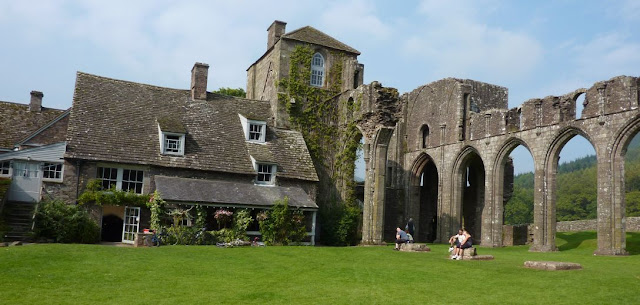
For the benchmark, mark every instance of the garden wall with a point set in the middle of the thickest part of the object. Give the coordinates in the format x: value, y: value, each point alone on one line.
x: 632, y: 225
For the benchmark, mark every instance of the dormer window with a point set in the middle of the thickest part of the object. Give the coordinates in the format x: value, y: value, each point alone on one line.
x: 254, y: 131
x: 172, y: 144
x: 171, y: 133
x: 266, y: 173
x: 317, y: 70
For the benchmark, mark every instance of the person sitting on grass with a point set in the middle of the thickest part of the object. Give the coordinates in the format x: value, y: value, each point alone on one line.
x: 401, y: 238
x: 454, y: 241
x: 465, y: 242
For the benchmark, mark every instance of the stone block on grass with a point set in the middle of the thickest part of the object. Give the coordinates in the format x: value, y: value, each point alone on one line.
x: 549, y: 265
x: 412, y: 247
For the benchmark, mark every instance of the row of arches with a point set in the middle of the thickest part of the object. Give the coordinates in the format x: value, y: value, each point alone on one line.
x: 473, y: 196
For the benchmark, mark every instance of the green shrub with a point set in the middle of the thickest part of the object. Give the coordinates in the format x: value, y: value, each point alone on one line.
x: 340, y: 224
x: 280, y: 225
x: 65, y: 223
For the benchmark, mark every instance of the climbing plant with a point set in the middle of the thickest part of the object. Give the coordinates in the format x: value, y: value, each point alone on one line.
x: 324, y: 120
x: 329, y: 129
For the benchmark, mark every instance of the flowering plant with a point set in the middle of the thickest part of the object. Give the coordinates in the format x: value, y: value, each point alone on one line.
x: 223, y: 217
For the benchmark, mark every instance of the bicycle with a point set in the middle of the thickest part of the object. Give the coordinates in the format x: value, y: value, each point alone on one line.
x: 154, y: 240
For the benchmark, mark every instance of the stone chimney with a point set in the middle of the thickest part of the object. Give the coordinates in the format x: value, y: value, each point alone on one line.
x: 199, y: 74
x: 276, y: 30
x: 35, y: 105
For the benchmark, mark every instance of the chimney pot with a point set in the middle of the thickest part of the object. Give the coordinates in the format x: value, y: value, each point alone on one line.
x: 35, y: 105
x: 199, y: 74
x: 276, y: 30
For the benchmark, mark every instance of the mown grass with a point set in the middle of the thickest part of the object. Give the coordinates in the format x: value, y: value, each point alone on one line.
x: 94, y: 274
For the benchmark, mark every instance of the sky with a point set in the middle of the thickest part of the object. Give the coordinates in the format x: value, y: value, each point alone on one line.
x: 534, y: 48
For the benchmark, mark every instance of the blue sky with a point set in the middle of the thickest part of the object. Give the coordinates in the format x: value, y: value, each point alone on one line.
x: 534, y: 48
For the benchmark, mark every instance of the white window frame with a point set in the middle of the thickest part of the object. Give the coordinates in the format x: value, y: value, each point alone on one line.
x: 261, y: 133
x: 120, y: 175
x: 163, y: 143
x: 261, y: 169
x: 55, y: 171
x: 317, y: 70
x: 246, y: 127
x: 7, y: 168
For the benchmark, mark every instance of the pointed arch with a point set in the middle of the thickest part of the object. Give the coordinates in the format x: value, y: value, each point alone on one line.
x: 468, y: 194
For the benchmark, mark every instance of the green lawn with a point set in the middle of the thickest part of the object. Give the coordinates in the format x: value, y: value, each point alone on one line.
x: 93, y: 274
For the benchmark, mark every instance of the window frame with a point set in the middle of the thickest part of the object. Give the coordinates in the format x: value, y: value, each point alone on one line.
x: 7, y: 168
x: 119, y: 179
x: 46, y: 168
x: 262, y: 132
x: 272, y: 173
x: 163, y: 143
x: 317, y: 71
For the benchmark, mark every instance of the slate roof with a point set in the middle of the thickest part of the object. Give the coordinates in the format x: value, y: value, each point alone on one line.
x: 311, y: 35
x: 226, y: 192
x: 17, y: 122
x: 117, y: 121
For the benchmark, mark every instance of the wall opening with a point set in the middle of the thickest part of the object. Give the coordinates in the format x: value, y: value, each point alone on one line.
x: 428, y: 220
x: 632, y: 189
x: 472, y: 187
x: 359, y: 173
x: 576, y: 181
x: 580, y: 104
x: 518, y: 186
x: 424, y: 133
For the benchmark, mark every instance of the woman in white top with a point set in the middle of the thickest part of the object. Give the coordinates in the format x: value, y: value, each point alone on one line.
x: 464, y: 241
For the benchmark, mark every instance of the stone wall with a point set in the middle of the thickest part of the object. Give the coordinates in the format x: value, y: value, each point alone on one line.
x: 632, y: 225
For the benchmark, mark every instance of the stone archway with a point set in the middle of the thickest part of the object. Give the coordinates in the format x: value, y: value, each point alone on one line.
x: 544, y: 227
x: 498, y: 185
x: 611, y: 210
x: 469, y: 180
x: 424, y: 201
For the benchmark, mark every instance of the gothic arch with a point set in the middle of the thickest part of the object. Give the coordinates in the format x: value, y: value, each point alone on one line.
x: 468, y: 194
x: 424, y: 202
x: 497, y: 180
x: 613, y: 222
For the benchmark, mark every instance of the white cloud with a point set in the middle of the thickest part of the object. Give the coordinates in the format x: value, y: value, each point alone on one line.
x: 353, y: 18
x: 453, y: 41
x: 607, y: 55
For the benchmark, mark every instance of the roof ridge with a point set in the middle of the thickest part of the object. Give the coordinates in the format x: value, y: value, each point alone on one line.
x: 126, y: 81
x: 343, y: 46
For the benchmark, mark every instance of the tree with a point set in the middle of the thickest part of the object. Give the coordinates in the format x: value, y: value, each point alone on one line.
x: 238, y: 92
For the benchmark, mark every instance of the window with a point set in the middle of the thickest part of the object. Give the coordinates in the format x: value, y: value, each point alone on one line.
x: 317, y: 70
x: 122, y: 179
x: 266, y: 173
x: 5, y: 166
x: 257, y: 131
x: 52, y: 171
x: 425, y: 136
x: 172, y: 144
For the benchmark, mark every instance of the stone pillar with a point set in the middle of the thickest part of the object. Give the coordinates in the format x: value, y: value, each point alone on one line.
x: 544, y: 213
x: 611, y: 226
x: 373, y: 212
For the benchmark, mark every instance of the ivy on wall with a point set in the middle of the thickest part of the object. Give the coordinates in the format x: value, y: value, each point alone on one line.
x: 324, y: 120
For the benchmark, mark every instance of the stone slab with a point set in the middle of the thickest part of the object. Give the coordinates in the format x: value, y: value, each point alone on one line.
x: 411, y: 247
x: 549, y: 265
x: 478, y: 258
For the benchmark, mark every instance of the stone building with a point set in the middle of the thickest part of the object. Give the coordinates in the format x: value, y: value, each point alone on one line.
x: 192, y: 146
x: 264, y: 75
x: 440, y: 153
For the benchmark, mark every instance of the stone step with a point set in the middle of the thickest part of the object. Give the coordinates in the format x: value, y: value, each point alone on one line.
x: 550, y: 265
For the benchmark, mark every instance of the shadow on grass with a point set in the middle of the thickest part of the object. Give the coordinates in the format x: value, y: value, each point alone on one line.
x: 574, y: 239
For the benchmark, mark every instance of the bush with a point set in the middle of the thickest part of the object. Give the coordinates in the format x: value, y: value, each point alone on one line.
x: 65, y: 223
x: 280, y: 225
x: 340, y: 224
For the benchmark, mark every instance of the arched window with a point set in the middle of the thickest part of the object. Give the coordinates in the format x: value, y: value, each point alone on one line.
x: 317, y: 70
x: 425, y: 136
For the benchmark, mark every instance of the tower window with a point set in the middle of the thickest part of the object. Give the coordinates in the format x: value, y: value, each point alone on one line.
x: 317, y: 70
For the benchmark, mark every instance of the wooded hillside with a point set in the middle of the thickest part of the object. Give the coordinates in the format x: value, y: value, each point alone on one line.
x: 577, y: 190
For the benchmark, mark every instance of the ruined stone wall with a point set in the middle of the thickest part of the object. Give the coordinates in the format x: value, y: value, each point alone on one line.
x: 632, y: 225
